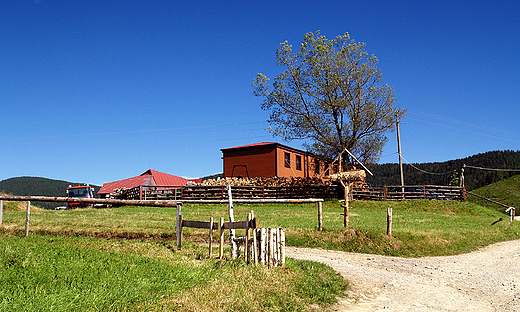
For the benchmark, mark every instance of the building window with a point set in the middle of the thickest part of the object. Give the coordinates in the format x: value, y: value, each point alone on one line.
x: 287, y: 161
x: 298, y: 162
x: 316, y: 166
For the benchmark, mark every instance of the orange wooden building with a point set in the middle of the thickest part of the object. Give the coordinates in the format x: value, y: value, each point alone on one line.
x: 267, y: 159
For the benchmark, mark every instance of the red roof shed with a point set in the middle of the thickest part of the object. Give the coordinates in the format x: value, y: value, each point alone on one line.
x: 148, y: 178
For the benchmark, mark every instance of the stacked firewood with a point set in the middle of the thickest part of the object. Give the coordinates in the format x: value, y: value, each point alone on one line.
x: 119, y: 192
x: 275, y: 181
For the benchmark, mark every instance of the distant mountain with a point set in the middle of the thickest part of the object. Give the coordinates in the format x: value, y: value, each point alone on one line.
x: 213, y: 176
x: 446, y: 173
x: 34, y: 186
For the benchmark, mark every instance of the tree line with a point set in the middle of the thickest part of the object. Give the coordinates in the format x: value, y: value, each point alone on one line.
x: 449, y: 172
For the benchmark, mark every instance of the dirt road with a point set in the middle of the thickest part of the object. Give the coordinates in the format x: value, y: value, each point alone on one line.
x: 485, y: 280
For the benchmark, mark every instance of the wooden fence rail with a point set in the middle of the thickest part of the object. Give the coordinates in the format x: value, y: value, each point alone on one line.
x: 409, y: 192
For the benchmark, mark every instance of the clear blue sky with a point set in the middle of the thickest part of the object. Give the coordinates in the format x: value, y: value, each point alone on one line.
x: 97, y: 91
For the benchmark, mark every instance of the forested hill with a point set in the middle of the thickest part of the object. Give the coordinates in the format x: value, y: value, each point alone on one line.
x: 446, y: 173
x: 24, y: 186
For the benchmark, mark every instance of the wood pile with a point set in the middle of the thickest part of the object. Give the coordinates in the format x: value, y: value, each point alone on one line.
x: 275, y: 181
x: 119, y: 192
x: 349, y: 176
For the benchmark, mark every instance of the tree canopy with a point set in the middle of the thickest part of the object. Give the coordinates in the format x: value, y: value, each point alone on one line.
x: 330, y: 94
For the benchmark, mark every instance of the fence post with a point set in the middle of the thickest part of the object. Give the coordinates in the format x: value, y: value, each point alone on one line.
x: 263, y: 242
x: 247, y: 247
x: 389, y: 221
x: 221, y: 240
x: 179, y: 226
x: 1, y: 210
x: 232, y: 231
x: 210, y: 234
x: 282, y: 247
x: 27, y: 214
x: 320, y: 216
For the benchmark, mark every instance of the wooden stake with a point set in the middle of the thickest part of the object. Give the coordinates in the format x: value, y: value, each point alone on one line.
x: 27, y: 214
x: 320, y: 216
x: 246, y: 247
x: 1, y: 210
x: 262, y: 246
x: 282, y: 249
x: 221, y: 240
x: 232, y: 241
x: 179, y: 226
x: 210, y: 234
x: 346, y: 221
x: 254, y: 248
x: 389, y: 222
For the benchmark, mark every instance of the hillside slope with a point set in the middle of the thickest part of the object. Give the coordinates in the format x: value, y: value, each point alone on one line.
x: 35, y: 186
x: 506, y: 192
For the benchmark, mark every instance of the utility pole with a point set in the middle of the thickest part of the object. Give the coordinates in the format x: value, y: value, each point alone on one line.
x: 400, y: 157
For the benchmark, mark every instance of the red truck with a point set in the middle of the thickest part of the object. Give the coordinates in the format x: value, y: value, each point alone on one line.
x: 79, y: 191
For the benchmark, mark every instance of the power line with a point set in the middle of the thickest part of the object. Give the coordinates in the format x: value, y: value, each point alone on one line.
x: 423, y: 171
x: 136, y: 131
x: 492, y: 169
x: 462, y: 122
x: 469, y: 131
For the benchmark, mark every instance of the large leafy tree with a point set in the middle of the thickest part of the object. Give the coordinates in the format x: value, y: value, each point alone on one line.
x: 330, y: 94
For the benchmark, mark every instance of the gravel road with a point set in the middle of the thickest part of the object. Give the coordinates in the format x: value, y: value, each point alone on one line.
x: 485, y: 280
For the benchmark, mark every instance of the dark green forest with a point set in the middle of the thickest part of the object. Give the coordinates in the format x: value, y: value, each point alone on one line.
x: 448, y: 173
x: 26, y: 186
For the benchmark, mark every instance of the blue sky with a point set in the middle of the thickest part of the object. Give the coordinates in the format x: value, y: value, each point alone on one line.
x: 97, y: 91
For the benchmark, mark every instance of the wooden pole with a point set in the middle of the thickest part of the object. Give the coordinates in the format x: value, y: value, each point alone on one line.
x: 278, y: 247
x: 210, y: 234
x: 254, y: 248
x: 400, y: 156
x: 282, y: 249
x: 262, y: 246
x: 389, y: 221
x: 270, y: 256
x: 178, y: 231
x: 1, y: 211
x: 246, y: 247
x: 320, y: 216
x: 346, y: 220
x: 221, y: 240
x: 27, y: 214
x: 129, y: 202
x: 232, y: 241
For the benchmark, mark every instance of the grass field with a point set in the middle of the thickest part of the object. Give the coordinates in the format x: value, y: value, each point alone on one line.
x: 64, y: 265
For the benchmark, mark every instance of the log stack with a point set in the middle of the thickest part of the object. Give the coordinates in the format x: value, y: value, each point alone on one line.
x: 275, y: 181
x: 119, y: 193
x: 349, y: 176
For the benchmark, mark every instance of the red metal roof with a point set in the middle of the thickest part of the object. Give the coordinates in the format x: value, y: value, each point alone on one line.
x: 149, y: 177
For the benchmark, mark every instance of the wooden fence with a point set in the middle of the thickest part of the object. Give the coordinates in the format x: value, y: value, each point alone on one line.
x: 409, y: 192
x: 183, y: 193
